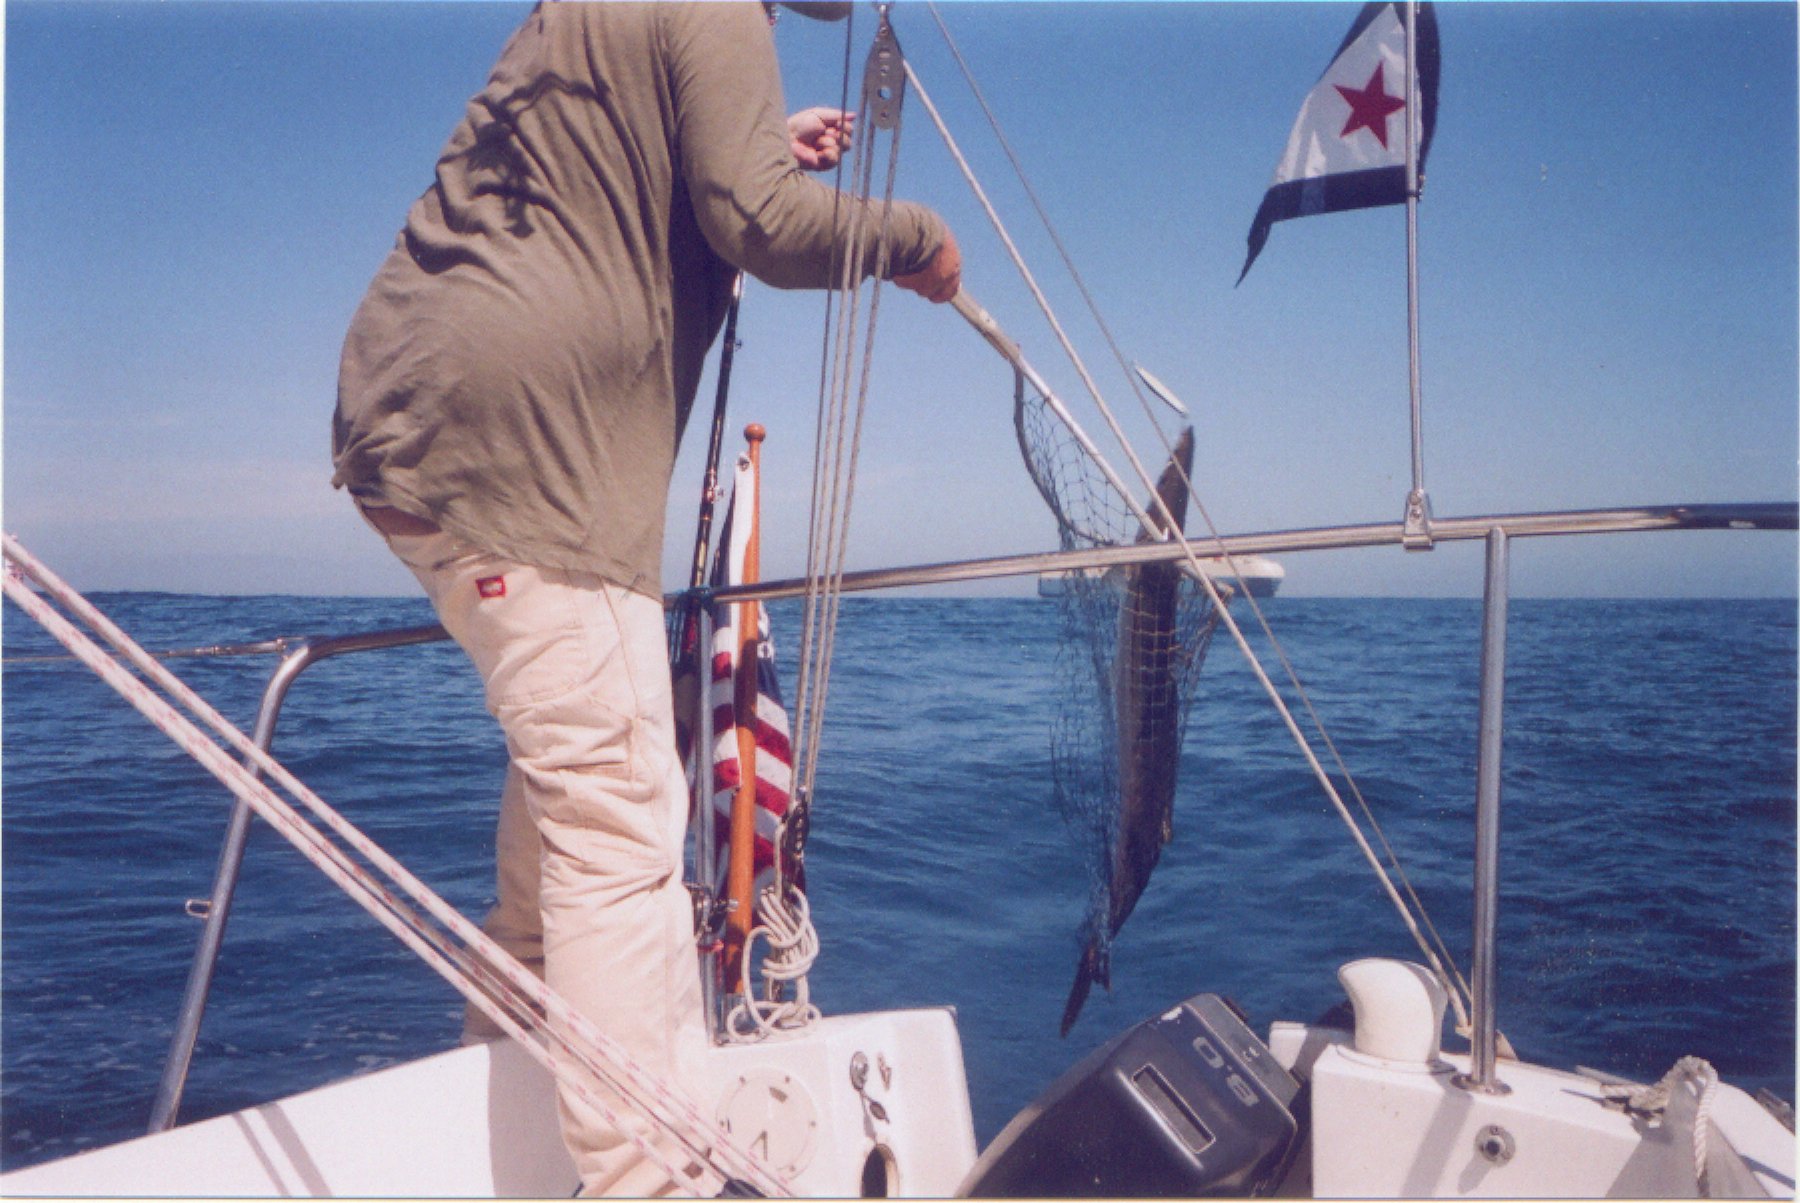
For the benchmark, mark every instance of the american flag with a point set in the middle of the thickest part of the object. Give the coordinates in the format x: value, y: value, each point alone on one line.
x: 769, y: 724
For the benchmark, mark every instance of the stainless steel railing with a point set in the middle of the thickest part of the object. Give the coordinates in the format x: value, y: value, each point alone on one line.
x: 300, y: 654
x: 1748, y: 516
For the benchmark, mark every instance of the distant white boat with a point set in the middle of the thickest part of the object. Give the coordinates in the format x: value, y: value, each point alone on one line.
x: 1258, y: 576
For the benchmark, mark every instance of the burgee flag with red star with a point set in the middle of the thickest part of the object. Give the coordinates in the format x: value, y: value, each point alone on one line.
x: 1348, y: 148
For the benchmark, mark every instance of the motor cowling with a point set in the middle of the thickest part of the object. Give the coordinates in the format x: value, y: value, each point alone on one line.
x: 1188, y: 1103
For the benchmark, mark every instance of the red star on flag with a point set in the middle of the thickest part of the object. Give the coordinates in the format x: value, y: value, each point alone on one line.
x: 1370, y: 107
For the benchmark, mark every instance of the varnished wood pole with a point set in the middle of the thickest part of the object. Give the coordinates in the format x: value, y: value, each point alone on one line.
x: 740, y: 879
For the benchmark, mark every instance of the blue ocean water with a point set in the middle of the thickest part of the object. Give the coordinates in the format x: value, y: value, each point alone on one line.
x: 1648, y: 844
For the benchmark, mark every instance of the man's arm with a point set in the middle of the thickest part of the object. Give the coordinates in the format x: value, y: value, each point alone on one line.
x: 940, y: 279
x: 753, y: 203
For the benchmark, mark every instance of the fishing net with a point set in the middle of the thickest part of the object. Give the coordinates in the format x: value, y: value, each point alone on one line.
x: 1133, y: 642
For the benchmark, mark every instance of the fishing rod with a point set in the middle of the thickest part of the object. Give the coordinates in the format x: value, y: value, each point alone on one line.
x: 689, y: 602
x: 687, y: 631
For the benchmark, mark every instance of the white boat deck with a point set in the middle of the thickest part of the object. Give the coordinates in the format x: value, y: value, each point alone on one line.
x: 1386, y: 1130
x: 481, y: 1122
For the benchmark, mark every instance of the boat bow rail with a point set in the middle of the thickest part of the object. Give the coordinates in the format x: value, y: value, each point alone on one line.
x: 298, y: 654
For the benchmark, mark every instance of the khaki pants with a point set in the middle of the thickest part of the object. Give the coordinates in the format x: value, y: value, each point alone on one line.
x: 592, y: 818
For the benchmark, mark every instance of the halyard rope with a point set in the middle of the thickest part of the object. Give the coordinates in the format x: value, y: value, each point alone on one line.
x: 839, y: 436
x: 561, y: 1039
x: 1432, y: 947
x: 843, y: 400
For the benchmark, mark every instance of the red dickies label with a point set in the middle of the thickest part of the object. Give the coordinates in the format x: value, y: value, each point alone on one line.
x: 491, y: 586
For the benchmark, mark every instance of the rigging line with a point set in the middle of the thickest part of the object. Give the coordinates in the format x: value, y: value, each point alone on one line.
x: 1037, y: 292
x: 835, y: 271
x: 826, y: 556
x: 1062, y: 250
x: 837, y: 557
x: 1049, y: 226
x: 593, y: 1050
x: 1093, y: 308
x: 883, y: 262
x: 1023, y: 371
x: 826, y: 423
x: 1174, y: 534
x: 1067, y: 259
x: 828, y: 434
x: 828, y: 450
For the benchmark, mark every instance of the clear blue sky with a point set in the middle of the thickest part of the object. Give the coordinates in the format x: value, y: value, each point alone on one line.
x: 197, y: 194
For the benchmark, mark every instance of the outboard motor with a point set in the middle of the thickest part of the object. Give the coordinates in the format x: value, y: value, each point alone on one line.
x: 1188, y: 1103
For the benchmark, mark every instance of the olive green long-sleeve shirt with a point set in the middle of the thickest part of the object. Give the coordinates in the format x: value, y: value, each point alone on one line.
x: 523, y: 364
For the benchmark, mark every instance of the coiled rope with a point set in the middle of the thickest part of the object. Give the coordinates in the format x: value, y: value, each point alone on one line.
x: 793, y: 947
x: 565, y: 1042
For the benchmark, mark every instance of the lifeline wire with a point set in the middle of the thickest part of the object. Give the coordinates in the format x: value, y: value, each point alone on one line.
x: 561, y: 1039
x: 1456, y: 988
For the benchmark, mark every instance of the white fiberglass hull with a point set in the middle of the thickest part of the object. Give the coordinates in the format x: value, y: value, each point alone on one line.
x: 481, y: 1122
x: 1384, y: 1129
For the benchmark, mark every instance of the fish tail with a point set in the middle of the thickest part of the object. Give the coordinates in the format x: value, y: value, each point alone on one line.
x: 1095, y: 967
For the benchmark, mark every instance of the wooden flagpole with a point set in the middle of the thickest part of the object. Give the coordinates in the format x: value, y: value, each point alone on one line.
x: 740, y: 878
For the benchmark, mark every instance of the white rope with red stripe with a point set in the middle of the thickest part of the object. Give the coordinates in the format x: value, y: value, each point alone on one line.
x: 564, y: 1041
